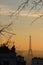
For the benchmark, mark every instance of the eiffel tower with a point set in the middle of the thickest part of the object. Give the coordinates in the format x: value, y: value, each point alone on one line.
x: 30, y: 47
x: 30, y: 53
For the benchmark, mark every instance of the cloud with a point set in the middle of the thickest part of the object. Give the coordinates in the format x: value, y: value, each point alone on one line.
x: 8, y: 12
x: 4, y: 10
x: 31, y: 14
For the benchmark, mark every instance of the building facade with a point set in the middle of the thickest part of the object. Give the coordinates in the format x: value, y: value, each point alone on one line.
x: 37, y: 61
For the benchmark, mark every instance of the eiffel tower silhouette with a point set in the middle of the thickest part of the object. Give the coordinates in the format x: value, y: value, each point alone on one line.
x: 30, y: 47
x: 30, y: 52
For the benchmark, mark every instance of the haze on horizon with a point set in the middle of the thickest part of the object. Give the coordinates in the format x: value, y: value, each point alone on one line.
x: 21, y: 23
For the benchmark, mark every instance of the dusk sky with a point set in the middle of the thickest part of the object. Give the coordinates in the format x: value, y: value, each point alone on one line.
x: 21, y: 23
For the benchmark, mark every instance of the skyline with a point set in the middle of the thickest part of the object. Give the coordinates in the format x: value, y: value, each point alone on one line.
x: 21, y: 24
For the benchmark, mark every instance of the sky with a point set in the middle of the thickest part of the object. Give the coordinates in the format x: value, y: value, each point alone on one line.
x: 22, y: 23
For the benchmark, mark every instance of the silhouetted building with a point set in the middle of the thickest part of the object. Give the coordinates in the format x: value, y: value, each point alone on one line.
x: 8, y: 57
x: 20, y: 60
x: 37, y: 61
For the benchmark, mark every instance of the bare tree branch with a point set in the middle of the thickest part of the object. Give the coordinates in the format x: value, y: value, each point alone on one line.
x: 5, y: 27
x: 9, y: 32
x: 20, y: 7
x: 36, y: 19
x: 35, y: 4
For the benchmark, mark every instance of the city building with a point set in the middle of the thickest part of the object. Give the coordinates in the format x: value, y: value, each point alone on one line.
x: 37, y: 61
